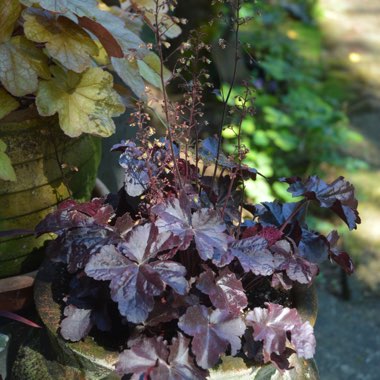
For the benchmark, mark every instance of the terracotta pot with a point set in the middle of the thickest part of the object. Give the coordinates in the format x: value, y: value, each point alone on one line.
x: 40, y: 154
x: 96, y: 362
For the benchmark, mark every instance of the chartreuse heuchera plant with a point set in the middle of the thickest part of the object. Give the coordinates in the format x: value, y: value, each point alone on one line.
x: 179, y: 268
x: 58, y: 55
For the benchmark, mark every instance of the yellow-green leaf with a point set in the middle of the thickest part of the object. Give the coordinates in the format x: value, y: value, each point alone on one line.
x: 7, y: 103
x: 84, y: 102
x: 129, y: 73
x: 9, y: 13
x: 21, y: 63
x: 7, y: 172
x: 65, y: 41
x: 150, y: 70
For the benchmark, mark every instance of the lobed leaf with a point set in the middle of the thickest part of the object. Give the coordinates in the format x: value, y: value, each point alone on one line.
x: 254, y: 256
x: 71, y: 214
x: 77, y: 245
x: 84, y: 102
x: 76, y: 324
x: 153, y: 357
x: 64, y: 40
x: 296, y: 267
x: 338, y: 196
x: 22, y: 79
x: 226, y: 292
x: 212, y: 331
x: 340, y: 257
x: 205, y: 226
x: 271, y: 326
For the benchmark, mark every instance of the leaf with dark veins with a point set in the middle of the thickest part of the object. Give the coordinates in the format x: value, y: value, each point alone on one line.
x: 338, y: 196
x: 134, y: 284
x: 76, y: 324
x: 254, y: 255
x: 205, y: 226
x: 209, y: 228
x: 153, y: 357
x: 212, y: 331
x: 173, y: 274
x: 139, y: 243
x: 77, y: 245
x: 226, y: 292
x: 176, y: 219
x: 296, y: 267
x: 142, y: 357
x: 70, y: 214
x: 271, y: 326
x: 313, y: 246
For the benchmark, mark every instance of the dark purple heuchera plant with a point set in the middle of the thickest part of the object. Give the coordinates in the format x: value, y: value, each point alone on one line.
x: 179, y: 260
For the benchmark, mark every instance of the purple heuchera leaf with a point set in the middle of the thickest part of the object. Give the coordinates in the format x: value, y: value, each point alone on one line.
x: 76, y: 246
x: 276, y: 213
x: 70, y: 214
x: 296, y: 267
x: 137, y: 169
x: 226, y: 291
x: 76, y: 324
x: 340, y: 257
x: 132, y: 286
x: 174, y: 216
x: 212, y: 331
x: 254, y: 255
x: 313, y: 246
x: 153, y: 357
x: 135, y: 279
x: 338, y: 196
x: 139, y: 243
x: 206, y: 226
x: 271, y: 326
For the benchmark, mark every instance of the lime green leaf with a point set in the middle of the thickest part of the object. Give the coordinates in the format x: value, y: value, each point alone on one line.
x: 129, y: 73
x: 20, y: 65
x: 85, y: 102
x: 65, y: 41
x: 150, y: 69
x: 9, y: 13
x: 7, y: 172
x: 7, y: 103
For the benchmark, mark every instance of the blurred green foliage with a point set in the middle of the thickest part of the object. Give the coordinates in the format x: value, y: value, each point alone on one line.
x: 299, y: 123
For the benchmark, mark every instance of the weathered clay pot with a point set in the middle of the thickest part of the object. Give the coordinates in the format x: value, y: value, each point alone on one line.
x: 95, y: 362
x: 40, y: 154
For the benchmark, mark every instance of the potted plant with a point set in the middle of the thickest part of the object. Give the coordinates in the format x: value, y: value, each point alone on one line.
x: 57, y: 94
x: 179, y: 275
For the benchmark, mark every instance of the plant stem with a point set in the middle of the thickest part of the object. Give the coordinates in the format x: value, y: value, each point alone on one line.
x: 165, y: 95
x: 293, y: 214
x: 229, y: 92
